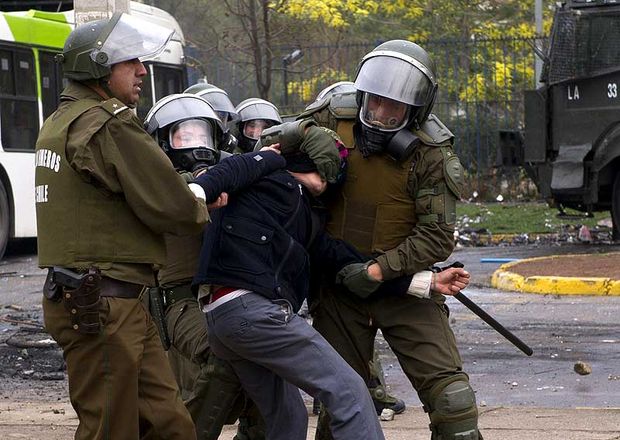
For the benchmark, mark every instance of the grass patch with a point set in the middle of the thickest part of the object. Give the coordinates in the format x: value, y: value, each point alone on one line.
x: 519, y: 218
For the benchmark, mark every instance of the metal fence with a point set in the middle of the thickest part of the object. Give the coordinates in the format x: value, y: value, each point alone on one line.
x: 481, y: 84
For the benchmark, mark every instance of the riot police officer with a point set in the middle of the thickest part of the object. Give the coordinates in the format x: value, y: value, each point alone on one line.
x: 376, y: 385
x: 218, y: 99
x: 255, y: 115
x: 111, y: 193
x: 406, y: 223
x: 190, y: 132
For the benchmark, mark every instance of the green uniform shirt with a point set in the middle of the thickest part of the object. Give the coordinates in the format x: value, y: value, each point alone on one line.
x: 120, y: 159
x: 411, y: 220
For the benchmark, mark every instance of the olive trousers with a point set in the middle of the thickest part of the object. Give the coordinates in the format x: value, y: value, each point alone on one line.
x: 417, y: 330
x: 120, y: 382
x: 209, y: 386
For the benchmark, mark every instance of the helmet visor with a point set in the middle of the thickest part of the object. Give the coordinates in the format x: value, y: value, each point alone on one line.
x: 219, y: 101
x: 258, y: 110
x: 174, y: 108
x: 384, y: 113
x: 131, y: 38
x: 254, y: 128
x: 395, y: 79
x: 191, y: 133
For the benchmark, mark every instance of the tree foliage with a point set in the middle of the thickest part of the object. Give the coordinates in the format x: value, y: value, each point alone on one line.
x: 250, y: 35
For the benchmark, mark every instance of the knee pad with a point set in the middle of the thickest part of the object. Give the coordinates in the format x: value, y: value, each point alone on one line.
x: 453, y: 411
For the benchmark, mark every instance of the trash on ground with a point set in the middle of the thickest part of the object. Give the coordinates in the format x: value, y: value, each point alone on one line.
x: 582, y: 368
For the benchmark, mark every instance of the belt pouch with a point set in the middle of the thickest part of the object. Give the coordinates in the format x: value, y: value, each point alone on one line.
x: 156, y: 308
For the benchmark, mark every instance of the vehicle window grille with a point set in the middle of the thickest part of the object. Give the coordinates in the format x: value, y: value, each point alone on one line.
x: 584, y: 44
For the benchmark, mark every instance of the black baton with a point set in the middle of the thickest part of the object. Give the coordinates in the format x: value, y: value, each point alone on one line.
x: 493, y: 323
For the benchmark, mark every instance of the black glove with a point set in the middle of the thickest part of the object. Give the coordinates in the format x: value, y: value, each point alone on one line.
x: 355, y: 277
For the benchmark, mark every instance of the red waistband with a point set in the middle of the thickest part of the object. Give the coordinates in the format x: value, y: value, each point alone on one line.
x: 221, y: 292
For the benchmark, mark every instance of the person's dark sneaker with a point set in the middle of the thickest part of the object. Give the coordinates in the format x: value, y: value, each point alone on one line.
x: 382, y: 400
x: 398, y: 406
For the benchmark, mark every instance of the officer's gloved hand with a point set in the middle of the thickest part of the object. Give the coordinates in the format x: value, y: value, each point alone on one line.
x: 321, y: 145
x: 355, y: 277
x: 289, y: 135
x: 187, y: 176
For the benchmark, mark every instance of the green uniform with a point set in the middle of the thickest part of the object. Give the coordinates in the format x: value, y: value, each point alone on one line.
x: 106, y: 194
x: 407, y: 223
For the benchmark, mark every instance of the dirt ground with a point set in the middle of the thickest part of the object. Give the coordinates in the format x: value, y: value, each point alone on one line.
x: 593, y: 265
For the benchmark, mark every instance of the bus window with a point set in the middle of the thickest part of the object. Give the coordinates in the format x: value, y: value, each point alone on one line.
x: 49, y: 83
x: 20, y: 124
x: 168, y: 80
x: 19, y: 113
x: 25, y: 84
x: 7, y: 84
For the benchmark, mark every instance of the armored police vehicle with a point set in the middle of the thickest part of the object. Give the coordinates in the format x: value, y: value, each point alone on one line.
x: 571, y: 142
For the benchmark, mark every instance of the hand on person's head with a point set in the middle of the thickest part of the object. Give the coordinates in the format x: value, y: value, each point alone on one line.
x: 273, y: 147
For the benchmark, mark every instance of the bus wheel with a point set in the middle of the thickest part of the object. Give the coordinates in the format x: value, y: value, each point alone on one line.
x: 5, y: 219
x: 615, y: 208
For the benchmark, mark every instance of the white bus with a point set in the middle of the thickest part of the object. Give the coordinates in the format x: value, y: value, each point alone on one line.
x: 30, y: 84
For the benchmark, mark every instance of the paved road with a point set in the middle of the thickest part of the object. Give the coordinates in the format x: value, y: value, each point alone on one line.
x: 562, y: 330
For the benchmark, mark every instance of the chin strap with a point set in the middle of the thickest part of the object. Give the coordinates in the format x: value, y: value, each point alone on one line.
x: 103, y: 83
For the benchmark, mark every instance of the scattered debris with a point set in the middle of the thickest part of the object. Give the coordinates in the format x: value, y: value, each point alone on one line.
x: 584, y: 234
x: 16, y: 320
x: 14, y: 307
x: 582, y: 368
x: 387, y: 414
x: 469, y: 236
x: 30, y: 338
x: 54, y: 411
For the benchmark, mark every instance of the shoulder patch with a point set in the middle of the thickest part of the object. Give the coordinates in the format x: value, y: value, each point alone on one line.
x: 343, y: 105
x: 453, y: 171
x: 113, y: 106
x: 433, y: 132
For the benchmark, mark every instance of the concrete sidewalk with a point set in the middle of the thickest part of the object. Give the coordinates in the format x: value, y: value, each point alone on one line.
x: 57, y: 421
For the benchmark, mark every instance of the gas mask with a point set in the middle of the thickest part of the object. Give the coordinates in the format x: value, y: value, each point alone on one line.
x: 191, y: 145
x: 383, y: 127
x: 251, y: 131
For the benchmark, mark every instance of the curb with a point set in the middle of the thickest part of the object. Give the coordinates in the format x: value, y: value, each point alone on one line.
x: 504, y: 279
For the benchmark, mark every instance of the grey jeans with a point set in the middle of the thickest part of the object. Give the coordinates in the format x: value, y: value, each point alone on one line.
x: 274, y: 352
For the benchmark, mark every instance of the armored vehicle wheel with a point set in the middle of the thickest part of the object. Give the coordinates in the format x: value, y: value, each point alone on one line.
x: 4, y: 220
x: 615, y: 207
